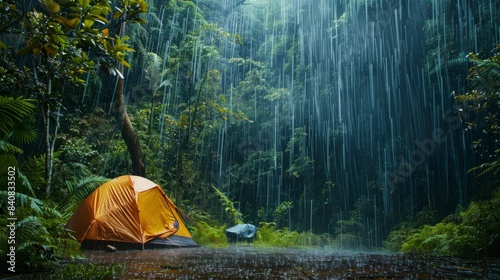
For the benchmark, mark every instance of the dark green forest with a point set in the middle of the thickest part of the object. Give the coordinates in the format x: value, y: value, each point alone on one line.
x: 367, y: 124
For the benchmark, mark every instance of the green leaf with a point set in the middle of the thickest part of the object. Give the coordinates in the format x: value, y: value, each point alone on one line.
x: 27, y: 50
x: 52, y: 6
x: 124, y: 62
x: 88, y: 22
x: 71, y: 24
x: 84, y: 3
x: 50, y: 49
x: 118, y: 13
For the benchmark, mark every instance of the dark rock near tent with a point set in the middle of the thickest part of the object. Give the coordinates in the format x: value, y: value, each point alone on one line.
x: 241, y: 232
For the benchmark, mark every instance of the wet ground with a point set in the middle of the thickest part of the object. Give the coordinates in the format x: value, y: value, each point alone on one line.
x: 258, y: 263
x: 255, y: 263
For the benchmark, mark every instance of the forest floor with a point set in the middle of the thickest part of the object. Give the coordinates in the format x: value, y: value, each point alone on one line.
x: 257, y: 263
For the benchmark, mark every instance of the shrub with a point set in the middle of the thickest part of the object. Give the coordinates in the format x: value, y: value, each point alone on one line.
x: 208, y: 235
x: 269, y: 236
x: 442, y: 239
x: 475, y: 232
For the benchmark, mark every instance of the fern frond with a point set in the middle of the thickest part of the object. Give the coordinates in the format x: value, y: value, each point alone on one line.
x: 31, y: 229
x: 7, y: 148
x: 34, y: 169
x: 13, y: 111
x: 22, y: 200
x: 26, y: 183
x: 81, y: 189
x: 232, y: 211
x: 492, y: 168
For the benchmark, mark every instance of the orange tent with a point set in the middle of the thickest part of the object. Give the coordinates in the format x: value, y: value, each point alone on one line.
x: 130, y: 209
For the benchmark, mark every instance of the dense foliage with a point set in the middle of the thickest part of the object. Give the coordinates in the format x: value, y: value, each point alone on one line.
x: 352, y: 124
x: 472, y: 232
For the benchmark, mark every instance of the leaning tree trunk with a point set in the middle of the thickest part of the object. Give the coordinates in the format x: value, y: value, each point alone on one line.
x: 127, y: 130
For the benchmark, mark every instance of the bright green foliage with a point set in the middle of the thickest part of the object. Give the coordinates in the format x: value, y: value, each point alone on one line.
x: 395, y: 239
x: 442, y: 239
x: 401, y: 232
x: 210, y: 235
x: 268, y: 235
x: 476, y: 234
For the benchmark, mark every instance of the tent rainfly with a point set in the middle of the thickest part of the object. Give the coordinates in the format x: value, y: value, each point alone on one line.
x: 129, y: 210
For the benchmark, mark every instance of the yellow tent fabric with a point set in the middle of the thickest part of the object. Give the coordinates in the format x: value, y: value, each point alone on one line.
x: 130, y: 209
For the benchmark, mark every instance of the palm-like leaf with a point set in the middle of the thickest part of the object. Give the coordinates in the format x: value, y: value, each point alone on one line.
x: 81, y: 189
x: 22, y: 133
x: 13, y: 111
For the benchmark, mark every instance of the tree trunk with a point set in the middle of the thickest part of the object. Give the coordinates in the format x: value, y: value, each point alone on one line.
x: 127, y: 131
x: 48, y: 155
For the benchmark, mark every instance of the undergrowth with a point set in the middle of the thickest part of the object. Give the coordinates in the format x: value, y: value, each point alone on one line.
x: 210, y: 235
x: 268, y: 235
x: 473, y: 232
